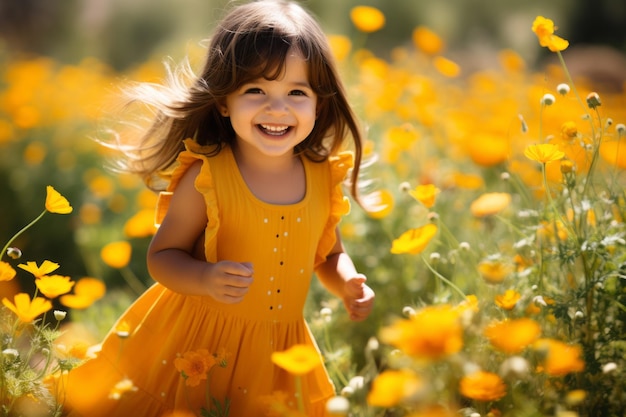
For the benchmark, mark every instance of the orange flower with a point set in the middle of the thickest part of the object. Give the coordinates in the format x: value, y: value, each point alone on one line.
x: 54, y: 285
x: 7, y: 273
x: 544, y: 29
x: 561, y: 359
x: 86, y: 291
x: 367, y: 19
x: 483, y: 386
x: 116, y: 254
x: 427, y: 41
x: 25, y: 309
x: 446, y: 67
x: 298, y: 359
x: 392, y: 386
x: 39, y: 271
x: 508, y: 300
x: 489, y: 204
x: 544, y: 153
x: 494, y: 271
x: 414, y: 241
x: 433, y: 332
x: 194, y: 366
x: 340, y: 45
x: 378, y: 204
x: 56, y: 203
x: 425, y: 194
x: 512, y: 336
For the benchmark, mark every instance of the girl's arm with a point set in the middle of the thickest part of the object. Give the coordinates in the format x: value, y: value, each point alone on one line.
x: 339, y: 275
x: 170, y: 255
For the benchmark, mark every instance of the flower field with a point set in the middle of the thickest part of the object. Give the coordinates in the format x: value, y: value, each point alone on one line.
x: 492, y: 230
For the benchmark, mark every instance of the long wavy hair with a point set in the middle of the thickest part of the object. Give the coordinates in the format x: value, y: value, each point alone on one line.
x: 252, y: 41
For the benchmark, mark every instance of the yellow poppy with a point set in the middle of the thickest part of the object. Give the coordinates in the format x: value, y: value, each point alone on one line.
x: 511, y: 61
x: 488, y: 149
x: 378, y: 204
x: 194, y: 366
x: 7, y: 273
x: 86, y: 291
x: 141, y: 224
x: 483, y: 386
x: 544, y: 153
x: 56, y: 203
x: 340, y: 45
x: 508, y: 300
x: 569, y: 130
x: 25, y: 309
x: 298, y: 359
x: 392, y: 386
x: 433, y: 332
x: 367, y: 19
x: 425, y: 194
x: 116, y: 254
x: 512, y: 336
x: 54, y: 285
x: 414, y: 241
x: 561, y: 358
x: 494, y: 271
x: 544, y: 29
x: 489, y: 204
x: 446, y: 67
x: 427, y: 41
x: 39, y: 271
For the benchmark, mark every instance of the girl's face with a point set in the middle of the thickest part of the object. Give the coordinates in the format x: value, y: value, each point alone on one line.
x: 273, y: 116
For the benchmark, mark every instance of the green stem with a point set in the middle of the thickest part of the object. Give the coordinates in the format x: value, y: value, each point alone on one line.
x: 15, y: 236
x: 299, y: 394
x: 132, y: 280
x: 444, y: 279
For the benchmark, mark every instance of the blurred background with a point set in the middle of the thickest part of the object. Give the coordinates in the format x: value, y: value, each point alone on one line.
x: 124, y: 33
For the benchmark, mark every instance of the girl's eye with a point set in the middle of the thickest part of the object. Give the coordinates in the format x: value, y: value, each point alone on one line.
x: 253, y: 90
x: 297, y: 93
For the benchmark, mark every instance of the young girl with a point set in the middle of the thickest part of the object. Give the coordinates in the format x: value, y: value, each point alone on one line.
x: 252, y: 153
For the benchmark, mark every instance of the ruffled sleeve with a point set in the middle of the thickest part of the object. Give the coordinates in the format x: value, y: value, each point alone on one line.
x: 339, y: 203
x: 204, y: 184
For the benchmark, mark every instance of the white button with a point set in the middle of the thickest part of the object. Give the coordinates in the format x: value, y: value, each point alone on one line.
x: 265, y: 221
x: 286, y: 233
x: 269, y: 292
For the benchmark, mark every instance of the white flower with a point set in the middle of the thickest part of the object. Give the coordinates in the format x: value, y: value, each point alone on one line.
x: 548, y: 99
x: 562, y: 88
x: 338, y: 406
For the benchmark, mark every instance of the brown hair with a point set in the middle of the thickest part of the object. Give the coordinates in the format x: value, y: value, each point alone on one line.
x: 252, y: 41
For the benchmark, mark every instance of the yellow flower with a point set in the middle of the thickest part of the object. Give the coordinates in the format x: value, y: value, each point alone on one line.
x: 86, y: 291
x: 483, y: 386
x: 367, y: 19
x: 488, y: 149
x: 116, y: 254
x: 561, y: 359
x: 569, y: 130
x: 425, y: 194
x: 544, y: 29
x: 378, y: 204
x: 392, y: 386
x: 39, y: 271
x: 446, y: 67
x: 512, y: 336
x: 25, y: 309
x: 544, y: 153
x: 494, y: 271
x: 141, y: 224
x: 56, y: 203
x: 489, y: 204
x: 433, y: 332
x: 427, y: 41
x: 340, y: 45
x: 508, y: 300
x: 54, y: 285
x: 7, y: 273
x: 414, y: 241
x: 194, y: 366
x: 298, y: 359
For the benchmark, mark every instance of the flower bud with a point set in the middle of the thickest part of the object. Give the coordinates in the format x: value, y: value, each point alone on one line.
x: 326, y: 313
x: 465, y: 246
x: 562, y: 88
x: 593, y: 100
x: 567, y: 166
x: 11, y: 354
x: 404, y: 186
x: 59, y: 314
x: 548, y: 99
x: 609, y: 367
x: 14, y: 253
x: 408, y: 311
x: 338, y: 406
x: 620, y: 128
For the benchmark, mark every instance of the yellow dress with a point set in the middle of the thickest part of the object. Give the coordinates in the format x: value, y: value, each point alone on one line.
x: 136, y: 376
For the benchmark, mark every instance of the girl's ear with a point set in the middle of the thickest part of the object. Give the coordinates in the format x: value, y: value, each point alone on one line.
x: 223, y: 109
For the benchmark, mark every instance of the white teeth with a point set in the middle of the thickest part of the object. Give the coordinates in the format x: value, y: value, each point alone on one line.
x: 275, y: 129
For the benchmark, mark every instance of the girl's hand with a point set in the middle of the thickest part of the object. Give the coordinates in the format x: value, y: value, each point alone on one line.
x: 358, y: 298
x: 228, y: 282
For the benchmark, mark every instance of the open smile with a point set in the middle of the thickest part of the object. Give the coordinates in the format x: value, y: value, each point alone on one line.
x: 274, y: 130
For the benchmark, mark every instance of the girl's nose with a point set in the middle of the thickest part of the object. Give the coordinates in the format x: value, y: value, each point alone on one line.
x: 276, y: 105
